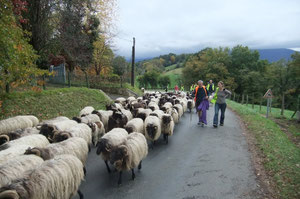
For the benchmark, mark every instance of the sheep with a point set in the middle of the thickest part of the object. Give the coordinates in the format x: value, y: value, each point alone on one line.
x: 12, y: 152
x: 129, y: 154
x: 57, y: 178
x: 143, y: 113
x: 79, y: 130
x: 73, y: 146
x: 157, y: 113
x: 110, y: 140
x: 190, y: 104
x: 47, y: 129
x: 87, y: 119
x: 167, y: 107
x: 17, y: 134
x: 117, y: 120
x: 135, y: 125
x: 114, y: 107
x: 175, y: 115
x: 130, y: 99
x: 51, y: 121
x: 14, y: 168
x: 121, y: 100
x: 153, y: 106
x: 183, y: 102
x: 152, y: 128
x: 167, y: 126
x: 86, y: 111
x: 127, y: 113
x: 18, y: 122
x: 98, y: 131
x: 104, y: 116
x: 35, y: 140
x: 179, y: 109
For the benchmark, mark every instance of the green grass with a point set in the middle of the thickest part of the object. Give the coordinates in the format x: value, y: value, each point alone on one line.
x: 282, y: 157
x: 275, y: 112
x: 171, y: 67
x: 51, y: 103
x: 174, y: 76
x: 134, y: 89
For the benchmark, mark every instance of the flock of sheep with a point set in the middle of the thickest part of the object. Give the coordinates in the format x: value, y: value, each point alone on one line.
x: 47, y: 159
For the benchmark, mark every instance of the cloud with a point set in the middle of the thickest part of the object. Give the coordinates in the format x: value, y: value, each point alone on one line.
x: 189, y: 25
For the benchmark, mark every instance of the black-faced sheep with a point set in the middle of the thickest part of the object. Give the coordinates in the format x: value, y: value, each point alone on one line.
x: 6, y: 137
x: 110, y: 140
x: 190, y: 104
x: 179, y: 109
x: 117, y: 120
x: 98, y: 131
x: 34, y: 140
x: 104, y: 116
x: 129, y: 154
x: 152, y: 128
x: 143, y: 113
x: 153, y: 106
x: 57, y: 178
x: 15, y: 168
x: 167, y: 126
x: 135, y: 125
x: 73, y: 146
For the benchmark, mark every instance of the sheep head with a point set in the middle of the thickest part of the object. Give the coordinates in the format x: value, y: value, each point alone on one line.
x: 77, y: 119
x: 61, y: 136
x: 33, y: 151
x: 92, y: 126
x: 142, y: 116
x: 48, y: 131
x: 129, y: 129
x: 9, y: 194
x: 103, y: 146
x: 151, y: 130
x: 166, y: 119
x: 118, y: 155
x: 3, y: 139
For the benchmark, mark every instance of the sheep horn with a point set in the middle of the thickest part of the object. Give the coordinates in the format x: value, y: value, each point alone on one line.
x: 37, y: 152
x: 9, y: 194
x: 4, y: 137
x: 66, y: 134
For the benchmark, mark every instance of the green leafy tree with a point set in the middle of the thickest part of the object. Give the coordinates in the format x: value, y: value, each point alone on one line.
x: 164, y: 81
x: 17, y: 57
x: 119, y: 66
x: 151, y: 78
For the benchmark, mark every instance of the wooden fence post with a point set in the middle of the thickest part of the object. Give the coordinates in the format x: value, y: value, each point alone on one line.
x: 260, y: 103
x: 242, y: 98
x: 69, y: 79
x: 282, y: 105
x: 252, y: 100
x: 247, y: 100
x: 233, y: 96
x: 44, y: 82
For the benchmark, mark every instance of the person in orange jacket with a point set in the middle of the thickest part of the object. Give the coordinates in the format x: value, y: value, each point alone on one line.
x: 200, y: 93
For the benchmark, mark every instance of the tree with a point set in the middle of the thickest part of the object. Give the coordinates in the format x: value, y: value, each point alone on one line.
x: 119, y: 66
x: 164, y: 81
x: 151, y: 78
x: 17, y: 57
x: 102, y: 54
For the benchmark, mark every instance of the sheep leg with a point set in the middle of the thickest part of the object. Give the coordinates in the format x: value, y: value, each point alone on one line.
x: 167, y: 139
x: 108, y: 169
x: 120, y: 178
x: 132, y: 174
x: 89, y: 148
x: 80, y: 194
x: 84, y: 171
x: 140, y: 165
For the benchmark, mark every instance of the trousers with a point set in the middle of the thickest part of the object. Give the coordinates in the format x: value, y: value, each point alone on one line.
x: 218, y: 107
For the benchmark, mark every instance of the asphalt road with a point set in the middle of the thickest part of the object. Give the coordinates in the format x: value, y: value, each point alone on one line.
x: 199, y: 162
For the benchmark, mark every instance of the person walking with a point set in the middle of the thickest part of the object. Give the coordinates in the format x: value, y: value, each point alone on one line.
x: 210, y: 88
x: 176, y: 89
x: 219, y: 100
x: 200, y: 93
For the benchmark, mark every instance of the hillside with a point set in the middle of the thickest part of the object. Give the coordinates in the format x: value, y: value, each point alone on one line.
x: 273, y: 55
x: 51, y: 103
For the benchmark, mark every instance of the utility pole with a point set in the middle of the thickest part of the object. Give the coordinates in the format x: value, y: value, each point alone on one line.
x: 132, y: 64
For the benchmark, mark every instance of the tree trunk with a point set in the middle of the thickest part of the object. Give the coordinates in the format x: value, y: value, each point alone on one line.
x: 247, y: 100
x: 260, y: 103
x: 242, y: 98
x: 282, y: 105
x: 253, y: 101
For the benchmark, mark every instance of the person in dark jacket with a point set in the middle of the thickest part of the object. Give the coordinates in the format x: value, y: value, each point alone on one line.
x: 200, y: 93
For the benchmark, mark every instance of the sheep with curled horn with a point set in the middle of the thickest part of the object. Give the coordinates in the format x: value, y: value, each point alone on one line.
x: 73, y: 146
x: 167, y: 126
x: 135, y: 125
x: 18, y: 122
x: 86, y: 111
x: 48, y: 129
x: 57, y: 178
x: 35, y: 140
x: 152, y: 128
x: 6, y: 137
x: 15, y: 168
x: 129, y: 154
x: 110, y: 140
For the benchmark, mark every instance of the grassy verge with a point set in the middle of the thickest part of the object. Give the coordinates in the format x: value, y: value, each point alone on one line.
x: 281, y: 156
x: 275, y: 112
x: 51, y: 103
x: 134, y: 89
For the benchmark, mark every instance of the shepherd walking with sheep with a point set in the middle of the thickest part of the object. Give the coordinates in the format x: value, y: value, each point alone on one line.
x: 200, y: 94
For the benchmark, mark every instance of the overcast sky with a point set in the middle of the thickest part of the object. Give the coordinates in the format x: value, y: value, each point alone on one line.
x: 184, y: 26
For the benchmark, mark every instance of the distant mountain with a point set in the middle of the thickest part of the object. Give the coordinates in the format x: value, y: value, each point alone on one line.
x: 273, y: 55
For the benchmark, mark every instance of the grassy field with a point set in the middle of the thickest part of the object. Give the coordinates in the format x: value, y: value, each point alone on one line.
x: 281, y: 155
x: 171, y: 67
x: 174, y: 76
x: 51, y: 103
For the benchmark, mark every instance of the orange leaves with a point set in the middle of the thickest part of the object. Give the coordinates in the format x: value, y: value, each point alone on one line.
x: 36, y: 89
